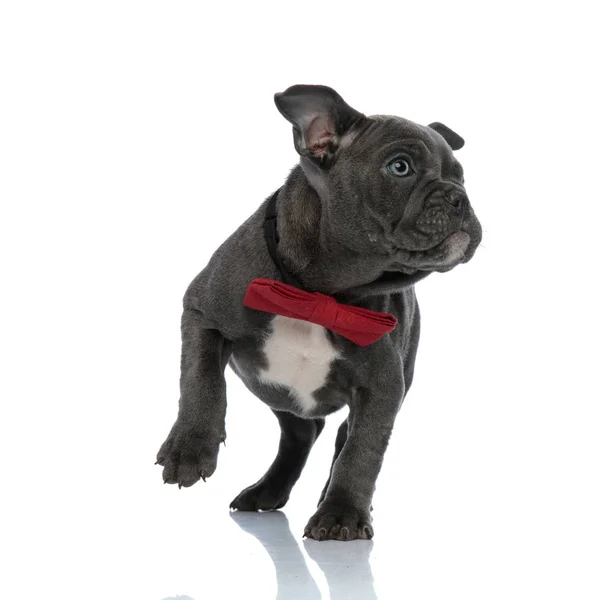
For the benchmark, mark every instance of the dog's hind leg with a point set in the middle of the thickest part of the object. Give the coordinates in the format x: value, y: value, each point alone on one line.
x: 273, y: 489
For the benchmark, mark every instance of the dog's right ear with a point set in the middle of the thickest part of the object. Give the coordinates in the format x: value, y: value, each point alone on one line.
x: 319, y: 116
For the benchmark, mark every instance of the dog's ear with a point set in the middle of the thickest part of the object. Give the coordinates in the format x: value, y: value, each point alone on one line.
x: 319, y: 117
x: 454, y: 140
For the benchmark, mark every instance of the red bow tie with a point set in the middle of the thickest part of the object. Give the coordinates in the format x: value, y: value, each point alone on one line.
x: 360, y: 325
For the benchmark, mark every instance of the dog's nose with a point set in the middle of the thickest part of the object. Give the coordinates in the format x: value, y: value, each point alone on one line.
x: 455, y: 198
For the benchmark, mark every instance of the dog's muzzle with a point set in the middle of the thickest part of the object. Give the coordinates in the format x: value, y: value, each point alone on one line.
x: 443, y: 213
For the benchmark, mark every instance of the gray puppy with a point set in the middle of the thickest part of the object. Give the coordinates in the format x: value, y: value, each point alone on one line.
x: 376, y: 204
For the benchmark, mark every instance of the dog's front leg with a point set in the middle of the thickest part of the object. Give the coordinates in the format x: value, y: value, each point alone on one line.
x: 191, y: 448
x: 345, y: 511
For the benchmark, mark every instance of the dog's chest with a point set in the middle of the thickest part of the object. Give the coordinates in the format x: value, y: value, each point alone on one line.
x: 299, y: 355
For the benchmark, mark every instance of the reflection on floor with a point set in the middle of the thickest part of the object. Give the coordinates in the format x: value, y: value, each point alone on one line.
x: 345, y: 565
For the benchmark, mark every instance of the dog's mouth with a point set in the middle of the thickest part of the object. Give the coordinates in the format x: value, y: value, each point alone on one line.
x: 448, y: 253
x: 444, y: 256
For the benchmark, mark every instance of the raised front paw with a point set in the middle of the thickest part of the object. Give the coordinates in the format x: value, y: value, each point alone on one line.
x: 188, y: 455
x: 339, y: 521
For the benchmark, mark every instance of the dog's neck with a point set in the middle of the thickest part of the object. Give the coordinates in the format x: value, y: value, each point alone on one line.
x: 311, y: 249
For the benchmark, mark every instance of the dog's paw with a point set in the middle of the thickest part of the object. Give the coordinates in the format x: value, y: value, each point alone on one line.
x: 260, y: 496
x: 189, y: 455
x: 339, y: 522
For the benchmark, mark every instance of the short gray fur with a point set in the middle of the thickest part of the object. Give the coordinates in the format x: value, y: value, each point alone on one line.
x: 353, y: 226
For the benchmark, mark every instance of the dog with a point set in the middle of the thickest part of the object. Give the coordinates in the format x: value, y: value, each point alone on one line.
x: 375, y: 204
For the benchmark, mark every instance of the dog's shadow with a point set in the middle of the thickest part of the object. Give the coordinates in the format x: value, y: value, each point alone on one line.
x: 344, y: 564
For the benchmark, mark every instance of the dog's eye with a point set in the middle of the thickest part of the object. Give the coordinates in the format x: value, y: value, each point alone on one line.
x: 399, y: 167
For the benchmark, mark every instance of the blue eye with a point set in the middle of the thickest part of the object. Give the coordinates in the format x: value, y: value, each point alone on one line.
x: 399, y: 167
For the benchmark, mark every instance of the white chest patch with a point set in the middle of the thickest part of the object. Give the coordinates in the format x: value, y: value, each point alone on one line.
x: 300, y: 356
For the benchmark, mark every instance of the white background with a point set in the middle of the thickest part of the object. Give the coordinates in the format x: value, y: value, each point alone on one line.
x: 136, y: 136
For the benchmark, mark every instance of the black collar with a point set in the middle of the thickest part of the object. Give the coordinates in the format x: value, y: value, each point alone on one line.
x: 272, y: 239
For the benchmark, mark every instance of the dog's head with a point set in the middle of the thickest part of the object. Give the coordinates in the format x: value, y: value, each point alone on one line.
x: 389, y: 186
